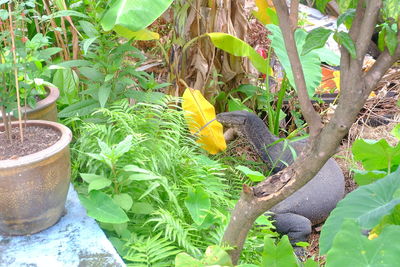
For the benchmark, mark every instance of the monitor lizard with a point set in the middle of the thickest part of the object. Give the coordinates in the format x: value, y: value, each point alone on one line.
x: 312, y: 203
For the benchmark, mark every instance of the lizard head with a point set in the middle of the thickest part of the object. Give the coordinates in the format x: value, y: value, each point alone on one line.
x: 232, y: 119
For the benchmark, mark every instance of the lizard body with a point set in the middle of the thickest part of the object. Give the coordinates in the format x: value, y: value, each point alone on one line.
x: 312, y: 203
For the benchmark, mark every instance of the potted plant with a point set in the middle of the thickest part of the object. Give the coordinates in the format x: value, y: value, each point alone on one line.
x: 34, y: 154
x: 33, y: 49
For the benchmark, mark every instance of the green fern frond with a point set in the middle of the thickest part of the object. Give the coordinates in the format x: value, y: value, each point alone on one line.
x: 174, y: 229
x: 150, y: 251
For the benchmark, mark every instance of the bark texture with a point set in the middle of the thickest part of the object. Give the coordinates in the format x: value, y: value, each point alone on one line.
x: 356, y: 86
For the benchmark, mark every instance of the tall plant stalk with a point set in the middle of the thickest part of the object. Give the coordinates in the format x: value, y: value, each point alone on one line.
x: 15, y: 74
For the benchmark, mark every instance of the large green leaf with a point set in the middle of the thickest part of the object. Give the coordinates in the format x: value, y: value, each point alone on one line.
x: 344, y: 39
x: 254, y: 176
x: 321, y: 4
x: 102, y: 208
x: 239, y: 48
x: 328, y: 56
x: 310, y: 62
x: 391, y: 39
x: 92, y: 74
x: 46, y: 54
x: 316, y: 39
x: 124, y: 201
x: 376, y: 155
x: 396, y: 131
x: 133, y: 14
x: 351, y: 248
x: 278, y: 255
x: 104, y: 94
x: 81, y: 108
x: 367, y: 205
x: 366, y: 177
x: 215, y: 255
x: 67, y: 82
x: 142, y: 35
x: 391, y: 10
x: 198, y: 203
x: 183, y: 260
x: 391, y: 219
x: 346, y: 4
x: 346, y: 18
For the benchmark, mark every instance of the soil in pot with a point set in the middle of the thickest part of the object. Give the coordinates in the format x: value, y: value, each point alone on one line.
x: 35, y: 139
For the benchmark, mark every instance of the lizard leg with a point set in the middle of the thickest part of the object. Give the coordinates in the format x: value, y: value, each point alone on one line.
x: 295, y: 226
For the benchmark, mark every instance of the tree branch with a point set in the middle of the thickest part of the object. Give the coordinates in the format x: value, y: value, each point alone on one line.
x: 294, y: 14
x: 358, y: 18
x: 384, y: 61
x: 367, y: 28
x: 353, y: 32
x: 311, y: 116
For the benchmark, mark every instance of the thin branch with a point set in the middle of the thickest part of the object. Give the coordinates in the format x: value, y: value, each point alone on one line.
x: 59, y: 39
x: 356, y: 25
x: 384, y: 61
x: 311, y: 116
x: 367, y: 27
x: 6, y: 123
x: 294, y: 14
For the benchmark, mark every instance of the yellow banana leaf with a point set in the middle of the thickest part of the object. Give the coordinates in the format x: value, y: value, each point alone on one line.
x: 336, y: 79
x: 142, y: 35
x: 199, y: 116
x: 261, y: 14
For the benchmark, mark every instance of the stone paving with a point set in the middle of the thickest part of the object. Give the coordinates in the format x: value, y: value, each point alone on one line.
x: 76, y: 240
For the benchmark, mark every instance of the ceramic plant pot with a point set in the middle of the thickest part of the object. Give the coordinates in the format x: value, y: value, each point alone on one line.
x: 46, y: 109
x: 33, y: 188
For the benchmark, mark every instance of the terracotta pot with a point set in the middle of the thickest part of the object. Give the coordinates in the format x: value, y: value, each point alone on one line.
x: 33, y: 188
x: 46, y: 109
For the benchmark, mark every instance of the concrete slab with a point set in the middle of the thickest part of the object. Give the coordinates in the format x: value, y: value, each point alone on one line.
x: 76, y: 240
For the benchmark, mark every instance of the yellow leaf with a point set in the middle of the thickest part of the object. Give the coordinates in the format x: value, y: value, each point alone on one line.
x: 261, y: 13
x: 199, y: 115
x: 372, y: 94
x: 336, y: 79
x: 372, y: 235
x: 142, y: 35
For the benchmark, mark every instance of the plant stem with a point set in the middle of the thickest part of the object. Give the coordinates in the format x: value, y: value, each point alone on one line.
x: 6, y: 122
x: 281, y: 95
x: 7, y: 125
x: 15, y: 73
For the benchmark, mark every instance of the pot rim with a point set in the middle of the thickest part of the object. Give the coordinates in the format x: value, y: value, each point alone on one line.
x: 51, y: 98
x: 65, y: 139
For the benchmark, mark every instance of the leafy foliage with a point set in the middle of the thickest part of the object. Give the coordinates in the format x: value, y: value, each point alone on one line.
x: 377, y: 157
x: 310, y: 62
x: 352, y: 249
x: 150, y: 251
x: 32, y: 58
x: 366, y: 205
x: 134, y: 15
x: 237, y: 47
x: 280, y: 254
x: 156, y: 171
x: 101, y: 207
